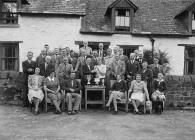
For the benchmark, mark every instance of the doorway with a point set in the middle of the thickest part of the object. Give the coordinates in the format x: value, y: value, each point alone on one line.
x: 128, y: 49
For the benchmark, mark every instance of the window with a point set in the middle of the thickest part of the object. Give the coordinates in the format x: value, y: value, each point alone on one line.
x: 122, y: 20
x: 193, y: 21
x: 8, y: 12
x: 9, y: 56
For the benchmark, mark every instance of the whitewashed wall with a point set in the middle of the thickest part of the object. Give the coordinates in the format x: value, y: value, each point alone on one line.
x: 62, y: 32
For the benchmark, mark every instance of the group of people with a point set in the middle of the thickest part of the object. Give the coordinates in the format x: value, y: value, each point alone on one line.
x: 55, y: 72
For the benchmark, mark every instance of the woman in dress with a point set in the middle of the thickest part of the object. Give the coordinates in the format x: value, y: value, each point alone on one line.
x: 139, y: 92
x: 35, y: 85
x: 52, y: 86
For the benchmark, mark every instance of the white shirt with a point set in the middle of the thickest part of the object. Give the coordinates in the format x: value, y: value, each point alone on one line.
x: 50, y: 79
x: 101, y: 70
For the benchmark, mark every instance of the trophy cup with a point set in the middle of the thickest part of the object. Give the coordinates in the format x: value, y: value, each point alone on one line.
x: 88, y: 79
x: 103, y: 82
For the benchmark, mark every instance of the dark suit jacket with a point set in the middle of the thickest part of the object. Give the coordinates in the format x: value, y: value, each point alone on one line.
x: 104, y: 53
x: 141, y: 61
x: 68, y: 84
x: 93, y: 61
x: 119, y: 86
x: 132, y: 69
x: 45, y: 72
x: 161, y: 86
x: 40, y: 60
x: 26, y: 65
x: 86, y: 70
x: 156, y: 70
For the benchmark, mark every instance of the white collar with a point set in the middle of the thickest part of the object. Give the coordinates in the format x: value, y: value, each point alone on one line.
x: 160, y: 80
x: 50, y: 78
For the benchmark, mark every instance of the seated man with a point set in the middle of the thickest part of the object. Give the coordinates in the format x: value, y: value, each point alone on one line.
x: 72, y: 88
x: 117, y: 92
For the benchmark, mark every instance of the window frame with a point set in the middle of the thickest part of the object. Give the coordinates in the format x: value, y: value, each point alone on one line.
x: 11, y: 18
x: 193, y: 20
x: 14, y: 58
x: 131, y: 13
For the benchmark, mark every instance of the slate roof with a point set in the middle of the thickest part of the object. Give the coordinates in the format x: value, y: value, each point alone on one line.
x: 155, y: 16
x: 68, y: 7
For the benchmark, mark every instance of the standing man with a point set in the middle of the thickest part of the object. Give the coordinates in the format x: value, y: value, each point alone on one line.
x: 115, y: 50
x: 72, y: 88
x: 156, y: 68
x: 86, y: 49
x: 117, y: 68
x: 136, y: 52
x: 141, y: 59
x: 28, y: 69
x: 122, y: 57
x: 41, y: 58
x: 101, y: 51
x: 46, y: 47
x: 80, y: 62
x: 132, y: 68
x: 64, y: 70
x: 94, y: 57
x: 60, y: 58
x: 46, y: 67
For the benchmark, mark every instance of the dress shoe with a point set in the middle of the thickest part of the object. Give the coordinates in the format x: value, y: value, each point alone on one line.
x: 57, y: 112
x: 115, y: 112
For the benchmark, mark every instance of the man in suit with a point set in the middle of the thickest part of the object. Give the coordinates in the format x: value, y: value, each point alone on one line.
x: 54, y: 56
x: 122, y: 57
x: 101, y: 51
x: 60, y: 58
x: 87, y: 68
x: 72, y: 88
x: 46, y: 67
x: 80, y: 62
x: 64, y: 70
x: 86, y: 49
x: 73, y: 59
x: 41, y: 58
x: 132, y: 68
x: 117, y: 93
x: 117, y: 67
x: 28, y: 69
x: 141, y: 59
x: 156, y: 68
x: 136, y: 52
x: 94, y: 57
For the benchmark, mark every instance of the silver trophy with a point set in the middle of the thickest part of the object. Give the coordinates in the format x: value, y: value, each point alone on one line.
x: 88, y: 79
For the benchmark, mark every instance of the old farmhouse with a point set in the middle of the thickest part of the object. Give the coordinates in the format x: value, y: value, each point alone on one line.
x: 131, y: 24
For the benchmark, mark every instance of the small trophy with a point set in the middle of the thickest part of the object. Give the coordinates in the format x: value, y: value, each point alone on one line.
x: 88, y: 79
x: 103, y: 82
x: 97, y: 80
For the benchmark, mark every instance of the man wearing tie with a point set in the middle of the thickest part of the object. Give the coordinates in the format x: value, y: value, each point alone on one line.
x: 141, y: 59
x: 101, y: 52
x: 80, y: 62
x: 132, y: 68
x: 86, y: 49
x: 64, y: 70
x: 72, y: 88
x: 28, y: 69
x: 117, y: 68
x: 46, y: 67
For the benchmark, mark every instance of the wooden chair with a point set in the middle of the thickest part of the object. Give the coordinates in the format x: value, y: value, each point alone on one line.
x: 124, y: 101
x: 47, y: 101
x: 73, y: 100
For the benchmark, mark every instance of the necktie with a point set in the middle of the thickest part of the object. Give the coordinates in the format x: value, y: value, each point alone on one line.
x: 72, y: 83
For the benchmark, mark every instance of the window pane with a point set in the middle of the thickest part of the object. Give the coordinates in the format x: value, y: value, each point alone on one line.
x: 122, y: 23
x: 9, y: 59
x: 9, y: 7
x: 117, y: 22
x: 193, y: 24
x: 127, y: 21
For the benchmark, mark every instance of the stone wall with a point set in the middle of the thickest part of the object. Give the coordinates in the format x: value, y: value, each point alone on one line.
x: 180, y: 91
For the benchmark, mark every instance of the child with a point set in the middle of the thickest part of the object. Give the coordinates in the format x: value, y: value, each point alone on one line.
x: 158, y: 96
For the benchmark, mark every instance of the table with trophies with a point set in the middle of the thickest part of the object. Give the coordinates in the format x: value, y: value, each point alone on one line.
x: 97, y: 87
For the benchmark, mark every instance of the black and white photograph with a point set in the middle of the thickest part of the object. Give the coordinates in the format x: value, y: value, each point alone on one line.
x: 97, y: 69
